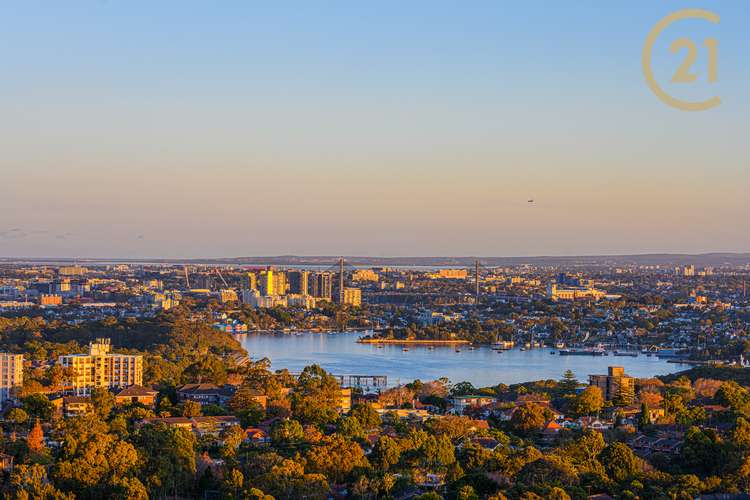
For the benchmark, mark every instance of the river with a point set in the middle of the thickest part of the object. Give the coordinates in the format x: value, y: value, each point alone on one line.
x: 340, y: 354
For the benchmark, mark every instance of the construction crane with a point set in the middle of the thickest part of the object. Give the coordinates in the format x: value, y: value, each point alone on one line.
x: 222, y: 278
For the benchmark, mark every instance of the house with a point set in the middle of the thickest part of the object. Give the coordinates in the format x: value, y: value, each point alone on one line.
x: 593, y: 423
x: 344, y: 402
x: 405, y: 413
x: 76, y: 406
x: 646, y: 445
x: 6, y: 462
x: 487, y: 443
x: 200, y: 426
x: 136, y: 394
x: 256, y: 436
x: 205, y: 393
x: 551, y: 430
x: 461, y: 403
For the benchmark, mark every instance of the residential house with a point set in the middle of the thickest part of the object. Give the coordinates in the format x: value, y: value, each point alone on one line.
x: 136, y: 394
x: 461, y: 403
x: 205, y: 393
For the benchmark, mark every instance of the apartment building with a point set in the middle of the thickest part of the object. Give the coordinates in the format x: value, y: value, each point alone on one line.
x: 101, y: 368
x: 11, y: 375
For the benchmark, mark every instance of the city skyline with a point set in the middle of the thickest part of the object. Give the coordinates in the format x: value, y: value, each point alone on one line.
x: 358, y: 130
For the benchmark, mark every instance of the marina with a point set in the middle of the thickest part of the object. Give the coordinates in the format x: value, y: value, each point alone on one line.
x: 340, y: 353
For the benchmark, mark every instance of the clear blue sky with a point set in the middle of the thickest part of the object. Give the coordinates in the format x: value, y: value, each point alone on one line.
x: 189, y: 129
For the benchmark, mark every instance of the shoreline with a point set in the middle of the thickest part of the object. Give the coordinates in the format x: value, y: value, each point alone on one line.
x: 412, y: 341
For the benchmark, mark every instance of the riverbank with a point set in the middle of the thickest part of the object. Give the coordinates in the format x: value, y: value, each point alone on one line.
x: 411, y: 341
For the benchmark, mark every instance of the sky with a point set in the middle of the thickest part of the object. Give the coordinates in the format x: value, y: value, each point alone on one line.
x: 182, y: 129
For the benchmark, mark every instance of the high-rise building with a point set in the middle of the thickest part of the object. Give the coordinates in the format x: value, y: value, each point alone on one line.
x: 11, y: 375
x: 352, y: 296
x: 321, y: 285
x: 101, y: 368
x: 298, y: 282
x: 614, y: 384
x: 252, y: 281
x: 266, y: 283
x: 272, y: 282
x: 365, y: 275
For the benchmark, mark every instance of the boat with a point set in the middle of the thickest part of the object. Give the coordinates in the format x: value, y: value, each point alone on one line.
x: 632, y: 354
x: 523, y: 348
x: 588, y: 351
x: 405, y: 349
x: 560, y: 345
x: 380, y: 346
x: 458, y: 350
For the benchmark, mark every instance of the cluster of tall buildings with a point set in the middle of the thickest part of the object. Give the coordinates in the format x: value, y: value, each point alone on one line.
x: 271, y: 287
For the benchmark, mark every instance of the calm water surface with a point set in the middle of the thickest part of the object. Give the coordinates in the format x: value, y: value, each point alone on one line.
x: 340, y: 354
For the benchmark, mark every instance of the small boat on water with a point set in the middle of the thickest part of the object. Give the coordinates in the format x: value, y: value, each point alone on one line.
x: 380, y: 346
x: 458, y: 350
x: 588, y: 351
x: 405, y: 349
x: 632, y: 354
x: 523, y: 348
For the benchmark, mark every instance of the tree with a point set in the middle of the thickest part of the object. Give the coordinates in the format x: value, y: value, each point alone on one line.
x: 89, y: 465
x: 557, y: 494
x: 191, y: 408
x: 463, y: 389
x: 585, y: 450
x: 232, y: 438
x: 287, y: 432
x: 588, y: 402
x: 466, y: 493
x: 35, y: 438
x: 351, y: 428
x: 17, y: 417
x: 569, y: 383
x: 169, y: 458
x: 528, y: 418
x: 30, y: 482
x: 386, y: 453
x: 645, y: 417
x: 103, y: 401
x: 619, y: 461
x: 208, y: 369
x: 366, y: 415
x: 335, y: 458
x: 38, y: 406
x: 550, y: 470
x: 288, y: 480
x: 315, y: 398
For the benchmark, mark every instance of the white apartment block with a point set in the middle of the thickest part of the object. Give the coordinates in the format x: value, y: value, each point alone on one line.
x: 11, y: 375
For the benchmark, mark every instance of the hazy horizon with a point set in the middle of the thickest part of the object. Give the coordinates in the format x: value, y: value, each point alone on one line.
x: 189, y: 130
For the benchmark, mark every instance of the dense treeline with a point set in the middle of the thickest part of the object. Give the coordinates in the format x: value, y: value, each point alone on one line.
x: 175, y: 348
